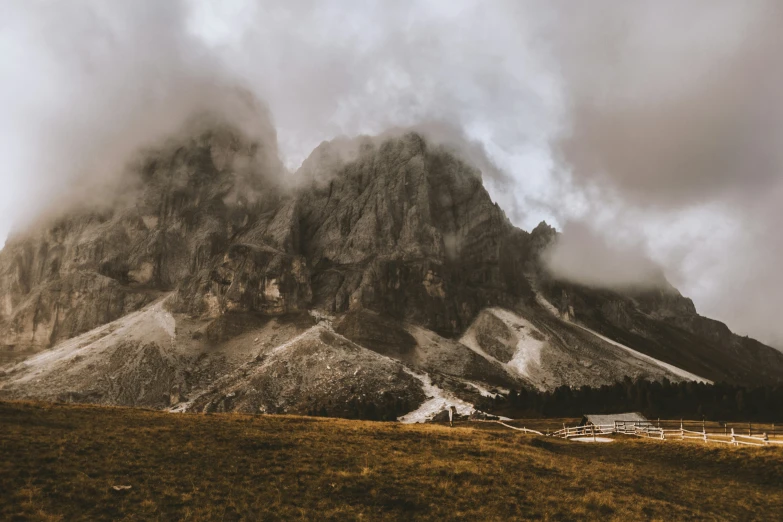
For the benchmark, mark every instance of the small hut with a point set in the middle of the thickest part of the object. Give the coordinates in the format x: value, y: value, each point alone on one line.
x: 620, y: 421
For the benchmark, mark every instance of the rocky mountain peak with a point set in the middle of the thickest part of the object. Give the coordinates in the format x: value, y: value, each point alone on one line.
x: 392, y: 240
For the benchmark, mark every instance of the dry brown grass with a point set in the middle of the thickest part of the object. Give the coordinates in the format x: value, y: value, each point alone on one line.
x: 59, y: 462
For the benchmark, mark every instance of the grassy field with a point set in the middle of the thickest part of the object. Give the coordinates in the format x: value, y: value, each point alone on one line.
x: 59, y: 462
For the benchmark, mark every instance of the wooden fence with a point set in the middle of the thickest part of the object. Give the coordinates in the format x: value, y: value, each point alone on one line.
x: 589, y: 430
x: 727, y: 437
x: 651, y: 431
x: 744, y: 428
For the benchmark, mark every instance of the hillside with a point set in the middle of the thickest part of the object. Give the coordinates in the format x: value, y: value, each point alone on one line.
x: 61, y: 462
x: 372, y: 281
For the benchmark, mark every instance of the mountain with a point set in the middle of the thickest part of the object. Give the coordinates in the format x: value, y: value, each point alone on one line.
x: 380, y: 280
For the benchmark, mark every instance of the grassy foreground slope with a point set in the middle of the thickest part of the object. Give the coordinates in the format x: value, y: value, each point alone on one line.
x: 60, y: 462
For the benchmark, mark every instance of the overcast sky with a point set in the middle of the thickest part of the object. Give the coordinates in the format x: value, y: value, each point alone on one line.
x: 650, y: 132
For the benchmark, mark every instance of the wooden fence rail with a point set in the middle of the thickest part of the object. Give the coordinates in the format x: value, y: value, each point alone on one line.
x: 772, y: 430
x: 523, y: 429
x: 590, y: 430
x: 649, y: 430
x: 733, y: 438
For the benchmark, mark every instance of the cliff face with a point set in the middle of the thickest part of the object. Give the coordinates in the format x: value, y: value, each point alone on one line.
x: 404, y: 229
x: 408, y: 230
x: 187, y: 219
x: 393, y: 245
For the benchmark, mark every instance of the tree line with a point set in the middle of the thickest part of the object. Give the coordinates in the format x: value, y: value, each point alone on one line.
x: 383, y: 407
x: 654, y: 399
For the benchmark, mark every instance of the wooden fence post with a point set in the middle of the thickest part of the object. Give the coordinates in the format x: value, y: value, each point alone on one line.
x: 704, y: 431
x: 766, y: 439
x: 682, y: 432
x: 733, y: 439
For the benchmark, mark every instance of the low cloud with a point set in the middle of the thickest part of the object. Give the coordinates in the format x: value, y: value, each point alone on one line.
x: 94, y: 83
x: 674, y: 107
x: 581, y: 255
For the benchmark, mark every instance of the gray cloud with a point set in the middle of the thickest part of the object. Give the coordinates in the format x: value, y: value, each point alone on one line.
x: 676, y: 106
x: 92, y: 83
x: 679, y: 106
x: 655, y: 126
x: 580, y: 254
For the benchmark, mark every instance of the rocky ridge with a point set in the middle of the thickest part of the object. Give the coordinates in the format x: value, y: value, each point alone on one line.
x: 384, y: 270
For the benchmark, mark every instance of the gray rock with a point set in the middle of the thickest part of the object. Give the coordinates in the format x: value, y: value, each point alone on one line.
x: 392, y: 242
